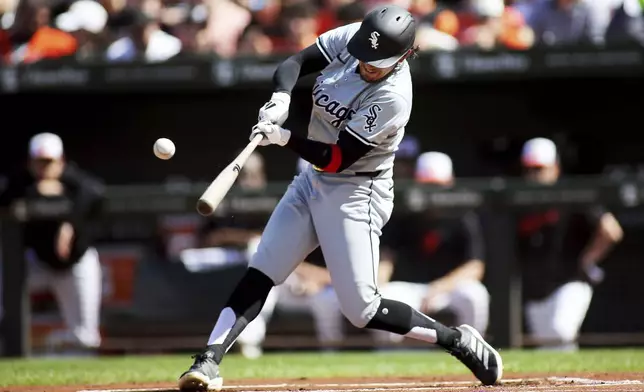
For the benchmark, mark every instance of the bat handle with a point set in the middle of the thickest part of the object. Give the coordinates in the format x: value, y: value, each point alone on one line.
x: 206, y: 205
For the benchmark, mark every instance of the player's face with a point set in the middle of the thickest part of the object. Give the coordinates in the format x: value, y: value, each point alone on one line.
x: 544, y: 175
x: 370, y: 73
x: 46, y: 169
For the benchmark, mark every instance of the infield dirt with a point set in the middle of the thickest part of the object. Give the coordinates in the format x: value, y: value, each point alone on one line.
x: 512, y: 382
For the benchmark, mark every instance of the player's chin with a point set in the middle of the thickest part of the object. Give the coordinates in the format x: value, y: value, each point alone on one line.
x: 371, y: 77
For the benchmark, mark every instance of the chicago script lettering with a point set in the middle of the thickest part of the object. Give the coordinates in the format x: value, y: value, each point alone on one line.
x: 332, y: 107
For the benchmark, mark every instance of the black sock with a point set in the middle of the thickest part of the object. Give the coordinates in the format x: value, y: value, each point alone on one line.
x: 400, y: 318
x: 246, y: 301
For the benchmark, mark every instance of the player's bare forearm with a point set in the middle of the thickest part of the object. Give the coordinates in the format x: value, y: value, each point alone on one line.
x: 385, y: 271
x: 471, y: 270
x: 609, y: 232
x: 307, y: 271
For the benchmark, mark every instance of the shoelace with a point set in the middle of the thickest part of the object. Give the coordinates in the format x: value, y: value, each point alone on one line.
x: 460, y: 353
x: 201, y: 357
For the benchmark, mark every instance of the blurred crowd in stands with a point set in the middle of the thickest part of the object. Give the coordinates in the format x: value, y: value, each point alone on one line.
x: 157, y: 30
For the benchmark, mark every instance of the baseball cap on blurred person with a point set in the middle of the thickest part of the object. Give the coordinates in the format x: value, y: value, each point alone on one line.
x: 487, y: 8
x: 434, y: 167
x: 85, y: 15
x: 46, y: 146
x: 408, y: 148
x: 539, y: 152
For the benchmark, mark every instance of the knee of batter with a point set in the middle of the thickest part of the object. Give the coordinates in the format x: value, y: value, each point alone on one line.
x: 359, y: 304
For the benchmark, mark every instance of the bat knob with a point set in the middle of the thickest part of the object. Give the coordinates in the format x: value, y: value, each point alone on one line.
x: 204, y: 208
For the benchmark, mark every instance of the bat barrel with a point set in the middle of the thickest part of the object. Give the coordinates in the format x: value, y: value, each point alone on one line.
x: 217, y: 190
x: 204, y: 208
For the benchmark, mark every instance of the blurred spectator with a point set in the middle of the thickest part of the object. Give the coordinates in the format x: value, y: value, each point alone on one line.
x: 255, y: 42
x: 350, y: 13
x: 328, y: 16
x: 228, y: 28
x: 437, y: 256
x: 559, y: 250
x: 113, y: 6
x: 299, y: 23
x: 33, y: 37
x: 7, y: 17
x: 436, y: 15
x: 143, y: 35
x: 85, y: 20
x: 601, y: 13
x: 560, y: 22
x: 627, y: 23
x: 59, y: 250
x: 226, y: 23
x: 489, y: 24
x: 438, y: 25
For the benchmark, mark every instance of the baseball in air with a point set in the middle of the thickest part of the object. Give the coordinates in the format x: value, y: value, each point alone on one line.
x: 164, y: 148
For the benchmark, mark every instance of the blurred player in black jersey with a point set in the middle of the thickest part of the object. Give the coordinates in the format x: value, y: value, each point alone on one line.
x: 559, y: 251
x: 59, y: 248
x: 437, y: 256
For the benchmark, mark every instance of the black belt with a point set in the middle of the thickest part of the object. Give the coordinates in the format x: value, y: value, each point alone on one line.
x: 368, y: 174
x: 357, y: 174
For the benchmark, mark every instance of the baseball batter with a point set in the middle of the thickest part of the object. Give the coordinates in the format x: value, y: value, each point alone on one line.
x: 361, y: 103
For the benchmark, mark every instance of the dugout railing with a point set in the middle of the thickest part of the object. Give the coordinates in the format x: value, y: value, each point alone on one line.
x: 496, y: 199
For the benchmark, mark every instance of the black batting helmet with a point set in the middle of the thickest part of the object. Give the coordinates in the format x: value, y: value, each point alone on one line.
x: 384, y: 37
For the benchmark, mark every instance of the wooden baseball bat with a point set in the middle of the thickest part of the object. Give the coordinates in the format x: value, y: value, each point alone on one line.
x: 219, y: 187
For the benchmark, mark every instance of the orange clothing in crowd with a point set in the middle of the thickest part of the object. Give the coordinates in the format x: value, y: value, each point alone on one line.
x: 514, y: 25
x: 49, y: 43
x: 447, y: 22
x: 5, y: 45
x: 326, y: 21
x: 511, y: 35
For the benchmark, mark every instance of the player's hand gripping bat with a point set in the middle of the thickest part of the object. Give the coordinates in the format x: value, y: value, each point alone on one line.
x: 219, y: 187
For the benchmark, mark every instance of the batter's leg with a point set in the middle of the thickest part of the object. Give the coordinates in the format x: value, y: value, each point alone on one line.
x: 287, y: 239
x: 348, y: 219
x: 79, y: 293
x: 410, y: 293
x: 348, y: 216
x: 252, y: 338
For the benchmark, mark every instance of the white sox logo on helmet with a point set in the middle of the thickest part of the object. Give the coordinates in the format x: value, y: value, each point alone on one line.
x: 374, y: 39
x: 370, y: 123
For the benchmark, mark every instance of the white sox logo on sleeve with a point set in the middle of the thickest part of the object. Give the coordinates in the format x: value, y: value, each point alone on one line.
x: 370, y: 122
x: 374, y: 39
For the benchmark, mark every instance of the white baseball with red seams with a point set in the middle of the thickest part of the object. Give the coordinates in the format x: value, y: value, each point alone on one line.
x: 164, y: 148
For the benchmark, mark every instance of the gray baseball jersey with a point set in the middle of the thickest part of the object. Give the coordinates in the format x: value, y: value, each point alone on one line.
x: 343, y: 214
x: 374, y: 113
